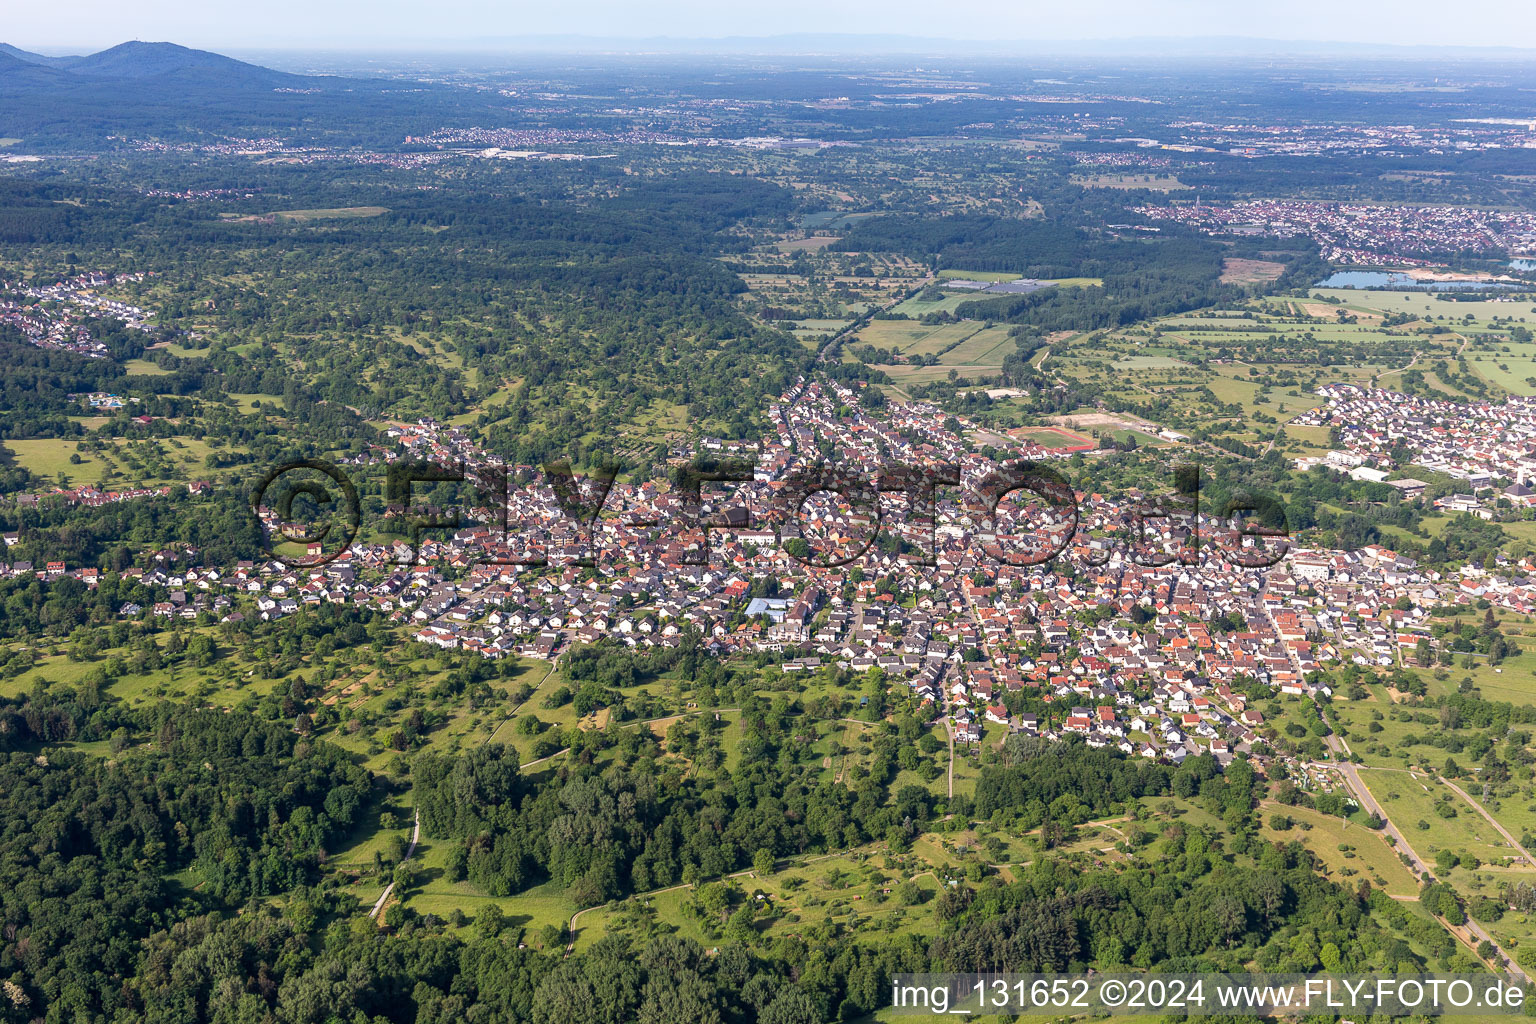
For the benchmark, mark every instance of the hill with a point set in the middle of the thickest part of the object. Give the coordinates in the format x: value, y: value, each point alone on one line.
x: 168, y: 92
x: 148, y: 60
x: 18, y: 73
x: 32, y: 58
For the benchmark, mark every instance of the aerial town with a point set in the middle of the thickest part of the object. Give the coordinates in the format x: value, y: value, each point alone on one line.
x: 699, y: 528
x: 53, y: 315
x: 1356, y: 233
x: 956, y: 639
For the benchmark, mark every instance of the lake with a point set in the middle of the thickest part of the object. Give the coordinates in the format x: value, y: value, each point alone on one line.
x: 1397, y: 280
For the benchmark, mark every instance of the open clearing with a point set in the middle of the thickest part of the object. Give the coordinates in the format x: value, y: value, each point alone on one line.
x: 1348, y: 849
x: 334, y: 213
x: 1088, y: 420
x: 801, y: 244
x: 1241, y: 271
x: 48, y: 457
x: 1055, y: 438
x: 1154, y: 182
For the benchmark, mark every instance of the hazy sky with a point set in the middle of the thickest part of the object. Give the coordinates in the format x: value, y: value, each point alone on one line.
x: 407, y: 24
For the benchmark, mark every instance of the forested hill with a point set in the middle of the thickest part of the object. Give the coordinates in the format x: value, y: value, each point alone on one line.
x: 244, y: 806
x: 156, y: 90
x: 93, y: 930
x: 1136, y: 277
x: 575, y: 278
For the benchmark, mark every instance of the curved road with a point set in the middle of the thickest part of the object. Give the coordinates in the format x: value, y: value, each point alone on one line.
x: 1471, y: 933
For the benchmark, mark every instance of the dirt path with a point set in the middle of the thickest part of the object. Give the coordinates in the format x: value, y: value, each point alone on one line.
x: 1471, y: 933
x: 1491, y: 820
x: 384, y: 896
x: 949, y: 729
x: 513, y: 713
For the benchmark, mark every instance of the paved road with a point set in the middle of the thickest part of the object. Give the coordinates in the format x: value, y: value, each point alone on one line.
x: 831, y: 349
x: 384, y: 896
x: 1471, y: 933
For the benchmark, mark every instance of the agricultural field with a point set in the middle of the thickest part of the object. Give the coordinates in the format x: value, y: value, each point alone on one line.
x: 1241, y: 271
x: 809, y: 242
x: 301, y: 216
x: 976, y: 275
x: 916, y: 307
x: 1519, y: 308
x: 1246, y: 373
x: 1150, y: 182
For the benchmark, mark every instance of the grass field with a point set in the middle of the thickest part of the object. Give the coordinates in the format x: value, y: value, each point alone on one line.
x: 1349, y: 850
x: 820, y: 326
x: 1148, y: 363
x: 1509, y: 370
x: 332, y: 213
x: 1259, y: 361
x: 916, y: 307
x: 1154, y: 182
x: 977, y: 275
x: 831, y: 220
x: 985, y: 347
x: 1522, y: 308
x: 247, y: 400
x: 846, y: 887
x: 802, y: 244
x: 1410, y: 800
x: 963, y: 344
x: 48, y: 457
x: 528, y: 911
x: 1512, y: 682
x: 913, y: 338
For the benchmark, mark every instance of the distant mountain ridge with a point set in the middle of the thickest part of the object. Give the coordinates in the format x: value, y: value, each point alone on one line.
x: 7, y: 50
x: 144, y: 60
x: 141, y: 91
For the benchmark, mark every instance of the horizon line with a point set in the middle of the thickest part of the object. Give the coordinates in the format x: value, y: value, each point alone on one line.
x: 821, y: 43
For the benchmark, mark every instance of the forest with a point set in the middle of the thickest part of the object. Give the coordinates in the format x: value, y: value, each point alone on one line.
x: 213, y: 780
